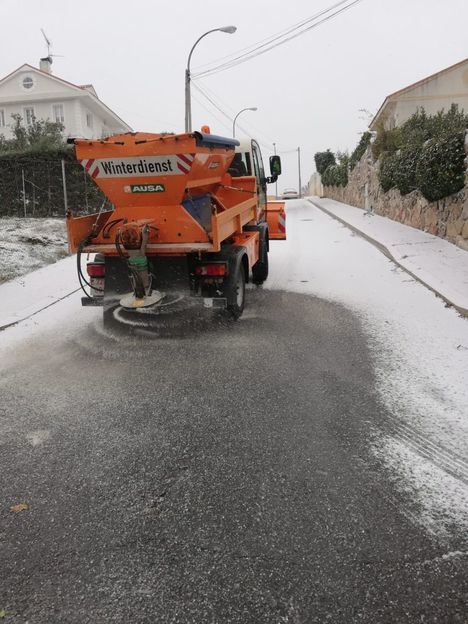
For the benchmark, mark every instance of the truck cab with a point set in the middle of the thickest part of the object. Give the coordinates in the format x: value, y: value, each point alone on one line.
x: 248, y: 161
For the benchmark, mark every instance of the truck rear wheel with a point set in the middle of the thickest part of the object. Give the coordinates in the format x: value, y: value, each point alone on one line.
x: 234, y: 291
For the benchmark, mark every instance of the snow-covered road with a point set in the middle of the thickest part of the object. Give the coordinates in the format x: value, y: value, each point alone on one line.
x: 418, y: 345
x: 307, y: 463
x: 419, y: 348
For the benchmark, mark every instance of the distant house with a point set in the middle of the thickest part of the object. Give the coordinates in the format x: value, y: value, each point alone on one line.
x: 36, y: 93
x: 433, y: 93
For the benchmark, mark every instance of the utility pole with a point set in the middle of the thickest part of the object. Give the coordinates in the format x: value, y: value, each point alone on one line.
x: 64, y: 184
x: 299, y: 170
x: 276, y: 183
x: 24, y: 192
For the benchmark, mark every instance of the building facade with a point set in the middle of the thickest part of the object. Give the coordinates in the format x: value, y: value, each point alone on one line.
x: 38, y: 94
x: 434, y: 93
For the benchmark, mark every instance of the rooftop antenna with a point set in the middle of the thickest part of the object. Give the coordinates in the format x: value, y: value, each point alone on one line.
x: 49, y: 46
x: 48, y: 42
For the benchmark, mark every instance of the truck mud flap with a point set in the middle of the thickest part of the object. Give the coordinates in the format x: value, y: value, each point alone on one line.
x: 276, y: 219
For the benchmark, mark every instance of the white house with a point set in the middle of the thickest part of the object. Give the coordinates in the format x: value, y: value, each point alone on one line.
x: 36, y: 93
x: 434, y: 93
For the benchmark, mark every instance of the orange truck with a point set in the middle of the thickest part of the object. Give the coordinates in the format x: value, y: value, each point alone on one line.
x: 189, y: 220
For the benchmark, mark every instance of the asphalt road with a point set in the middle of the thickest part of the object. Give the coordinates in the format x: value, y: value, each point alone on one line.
x: 221, y: 476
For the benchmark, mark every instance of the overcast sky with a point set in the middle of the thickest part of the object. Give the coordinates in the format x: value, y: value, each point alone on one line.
x: 308, y: 91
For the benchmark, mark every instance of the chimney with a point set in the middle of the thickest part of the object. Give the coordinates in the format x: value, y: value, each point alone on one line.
x: 45, y: 64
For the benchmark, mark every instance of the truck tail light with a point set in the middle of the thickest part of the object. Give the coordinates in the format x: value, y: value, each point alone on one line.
x: 217, y: 269
x: 96, y: 269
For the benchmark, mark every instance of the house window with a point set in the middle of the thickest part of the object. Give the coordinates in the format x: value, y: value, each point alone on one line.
x: 89, y: 120
x: 2, y: 118
x: 29, y: 115
x: 57, y: 113
x: 28, y: 82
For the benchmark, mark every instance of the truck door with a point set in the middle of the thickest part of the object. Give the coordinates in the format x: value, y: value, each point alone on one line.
x: 260, y: 175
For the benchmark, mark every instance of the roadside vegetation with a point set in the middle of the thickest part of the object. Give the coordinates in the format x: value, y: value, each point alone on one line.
x: 425, y: 153
x: 31, y: 181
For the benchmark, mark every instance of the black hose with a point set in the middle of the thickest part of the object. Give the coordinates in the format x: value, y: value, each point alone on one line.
x: 109, y: 225
x: 81, y: 277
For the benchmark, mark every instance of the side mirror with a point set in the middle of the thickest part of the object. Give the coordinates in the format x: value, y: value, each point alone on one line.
x: 275, y: 165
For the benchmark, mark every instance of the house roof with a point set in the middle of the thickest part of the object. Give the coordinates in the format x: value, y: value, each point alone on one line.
x: 412, y: 86
x: 87, y: 88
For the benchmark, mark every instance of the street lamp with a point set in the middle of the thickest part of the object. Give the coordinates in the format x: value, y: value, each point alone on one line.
x: 188, y: 103
x: 253, y: 108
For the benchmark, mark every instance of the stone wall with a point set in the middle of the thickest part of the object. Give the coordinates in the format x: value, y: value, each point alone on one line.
x: 447, y: 218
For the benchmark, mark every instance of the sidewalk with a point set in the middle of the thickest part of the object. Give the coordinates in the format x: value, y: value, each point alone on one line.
x: 24, y: 296
x: 436, y: 263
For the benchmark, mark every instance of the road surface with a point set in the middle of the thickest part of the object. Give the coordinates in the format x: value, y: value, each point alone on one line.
x: 230, y: 474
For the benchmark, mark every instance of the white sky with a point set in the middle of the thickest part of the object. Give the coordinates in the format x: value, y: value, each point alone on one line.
x: 308, y: 91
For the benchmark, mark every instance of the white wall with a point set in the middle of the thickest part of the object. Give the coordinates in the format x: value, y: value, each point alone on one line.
x: 436, y: 94
x: 315, y: 185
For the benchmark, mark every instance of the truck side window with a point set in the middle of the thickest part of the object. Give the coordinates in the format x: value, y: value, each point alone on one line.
x: 258, y: 164
x: 240, y: 165
x: 246, y: 157
x: 259, y: 174
x: 237, y: 167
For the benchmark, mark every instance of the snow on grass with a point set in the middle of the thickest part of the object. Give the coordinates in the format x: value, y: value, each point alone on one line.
x: 419, y: 346
x: 28, y: 244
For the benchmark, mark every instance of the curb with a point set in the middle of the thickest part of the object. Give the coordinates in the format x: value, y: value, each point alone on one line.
x: 25, y: 318
x: 383, y: 249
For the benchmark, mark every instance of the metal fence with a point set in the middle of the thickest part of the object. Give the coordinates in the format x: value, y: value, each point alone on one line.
x: 46, y: 187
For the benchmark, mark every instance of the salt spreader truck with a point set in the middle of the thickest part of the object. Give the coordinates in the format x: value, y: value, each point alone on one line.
x: 189, y: 220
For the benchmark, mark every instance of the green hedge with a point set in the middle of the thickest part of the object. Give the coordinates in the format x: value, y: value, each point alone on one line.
x: 359, y: 150
x: 324, y: 160
x: 399, y: 170
x: 42, y: 170
x: 337, y: 175
x: 426, y: 153
x: 441, y: 170
x: 35, y: 153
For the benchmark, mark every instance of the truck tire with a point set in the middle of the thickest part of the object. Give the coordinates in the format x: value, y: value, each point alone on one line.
x: 234, y: 291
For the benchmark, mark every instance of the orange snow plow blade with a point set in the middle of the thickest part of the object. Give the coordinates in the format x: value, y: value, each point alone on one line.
x: 276, y: 218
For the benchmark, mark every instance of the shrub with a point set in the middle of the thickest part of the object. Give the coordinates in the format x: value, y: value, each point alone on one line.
x: 337, y: 175
x: 40, y: 135
x: 359, y: 150
x: 426, y: 152
x: 386, y: 142
x: 387, y: 176
x: 405, y: 173
x: 440, y: 170
x: 324, y: 160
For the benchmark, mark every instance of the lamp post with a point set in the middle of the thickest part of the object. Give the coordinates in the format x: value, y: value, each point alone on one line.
x: 188, y: 102
x: 252, y: 108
